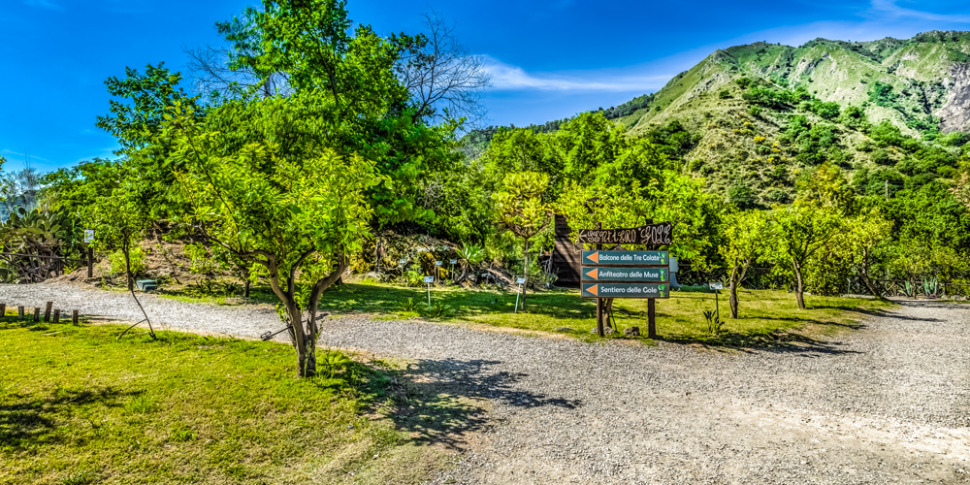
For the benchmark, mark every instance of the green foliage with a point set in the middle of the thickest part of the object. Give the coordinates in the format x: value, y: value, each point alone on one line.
x: 714, y: 323
x: 519, y: 207
x: 882, y: 94
x: 137, y: 257
x: 472, y: 254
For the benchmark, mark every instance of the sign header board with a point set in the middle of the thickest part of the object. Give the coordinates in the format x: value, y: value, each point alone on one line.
x: 88, y: 236
x: 644, y: 275
x: 626, y: 290
x: 429, y: 279
x: 625, y: 258
x: 651, y: 234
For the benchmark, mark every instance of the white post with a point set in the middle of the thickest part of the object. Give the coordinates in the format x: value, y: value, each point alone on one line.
x: 517, y: 299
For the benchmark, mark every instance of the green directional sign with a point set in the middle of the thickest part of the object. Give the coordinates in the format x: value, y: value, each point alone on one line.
x: 625, y: 258
x: 626, y: 290
x: 643, y: 274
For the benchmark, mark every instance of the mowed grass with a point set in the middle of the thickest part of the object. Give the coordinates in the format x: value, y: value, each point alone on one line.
x: 80, y: 406
x: 767, y: 318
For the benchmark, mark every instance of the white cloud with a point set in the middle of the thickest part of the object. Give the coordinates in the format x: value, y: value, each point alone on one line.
x: 23, y: 156
x: 889, y: 8
x: 506, y: 77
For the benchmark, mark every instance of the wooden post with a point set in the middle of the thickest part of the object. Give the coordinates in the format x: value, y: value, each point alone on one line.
x: 36, y: 314
x: 651, y: 318
x: 57, y: 315
x: 90, y: 262
x: 3, y: 310
x: 652, y: 305
x: 20, y: 312
x: 74, y: 317
x: 599, y: 301
x: 47, y: 311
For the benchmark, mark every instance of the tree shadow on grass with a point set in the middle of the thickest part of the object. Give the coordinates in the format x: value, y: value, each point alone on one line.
x: 442, y: 400
x: 27, y: 421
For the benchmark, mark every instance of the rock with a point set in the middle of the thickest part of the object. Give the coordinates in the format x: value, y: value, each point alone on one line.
x: 606, y: 331
x: 631, y: 331
x: 565, y: 329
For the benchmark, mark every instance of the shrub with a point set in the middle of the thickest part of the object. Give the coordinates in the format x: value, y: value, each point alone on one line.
x: 137, y: 257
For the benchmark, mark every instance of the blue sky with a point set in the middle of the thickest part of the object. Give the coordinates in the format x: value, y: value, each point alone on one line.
x: 548, y: 59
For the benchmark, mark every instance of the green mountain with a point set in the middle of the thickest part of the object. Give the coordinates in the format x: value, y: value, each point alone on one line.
x: 927, y: 75
x: 892, y: 113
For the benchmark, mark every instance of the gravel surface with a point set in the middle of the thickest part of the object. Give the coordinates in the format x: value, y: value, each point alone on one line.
x: 889, y: 403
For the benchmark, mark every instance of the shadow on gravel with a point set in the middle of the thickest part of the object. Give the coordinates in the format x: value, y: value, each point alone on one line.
x: 781, y: 343
x: 891, y: 314
x: 447, y: 404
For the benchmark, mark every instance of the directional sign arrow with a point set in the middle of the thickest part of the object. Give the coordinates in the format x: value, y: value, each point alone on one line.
x: 625, y: 290
x: 634, y: 274
x: 625, y: 258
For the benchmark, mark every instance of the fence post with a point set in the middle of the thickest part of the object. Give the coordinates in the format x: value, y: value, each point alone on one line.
x: 3, y: 310
x: 74, y: 317
x: 90, y: 262
x: 36, y: 314
x: 47, y: 311
x: 20, y: 312
x: 57, y: 315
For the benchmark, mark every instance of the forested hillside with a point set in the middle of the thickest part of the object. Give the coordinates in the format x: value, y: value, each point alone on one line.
x: 891, y: 112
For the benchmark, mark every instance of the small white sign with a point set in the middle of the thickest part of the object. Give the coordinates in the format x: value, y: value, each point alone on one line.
x: 454, y: 261
x: 716, y: 286
x: 520, y: 281
x: 429, y: 279
x: 403, y: 261
x: 437, y: 263
x: 88, y: 236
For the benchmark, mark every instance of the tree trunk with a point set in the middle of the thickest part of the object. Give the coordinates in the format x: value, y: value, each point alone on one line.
x: 864, y: 269
x: 125, y: 249
x: 733, y: 288
x: 525, y: 272
x: 799, y: 289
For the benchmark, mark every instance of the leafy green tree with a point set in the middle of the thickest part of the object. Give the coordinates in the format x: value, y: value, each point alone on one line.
x: 745, y: 234
x: 802, y: 231
x: 868, y: 237
x: 369, y: 113
x: 119, y: 221
x: 296, y: 209
x: 519, y: 208
x: 587, y: 142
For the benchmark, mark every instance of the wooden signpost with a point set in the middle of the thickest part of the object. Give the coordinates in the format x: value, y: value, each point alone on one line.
x: 626, y: 274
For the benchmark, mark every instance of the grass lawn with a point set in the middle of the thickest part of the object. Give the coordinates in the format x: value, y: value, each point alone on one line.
x: 769, y: 318
x: 80, y: 406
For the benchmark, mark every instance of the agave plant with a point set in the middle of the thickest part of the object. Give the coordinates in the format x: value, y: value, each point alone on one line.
x: 470, y: 255
x: 42, y: 234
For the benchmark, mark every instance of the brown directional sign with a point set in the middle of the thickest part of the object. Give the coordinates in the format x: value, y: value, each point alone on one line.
x: 651, y: 234
x: 637, y: 275
x: 626, y: 290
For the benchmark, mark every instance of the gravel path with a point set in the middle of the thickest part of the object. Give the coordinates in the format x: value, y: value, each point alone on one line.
x: 887, y: 404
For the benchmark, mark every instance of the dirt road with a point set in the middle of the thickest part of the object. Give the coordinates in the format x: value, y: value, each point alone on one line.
x: 888, y: 403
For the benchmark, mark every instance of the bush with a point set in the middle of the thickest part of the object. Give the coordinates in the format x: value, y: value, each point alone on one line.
x: 136, y: 256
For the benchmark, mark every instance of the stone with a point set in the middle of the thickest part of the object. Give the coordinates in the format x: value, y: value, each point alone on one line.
x: 565, y: 329
x: 631, y: 331
x: 606, y: 331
